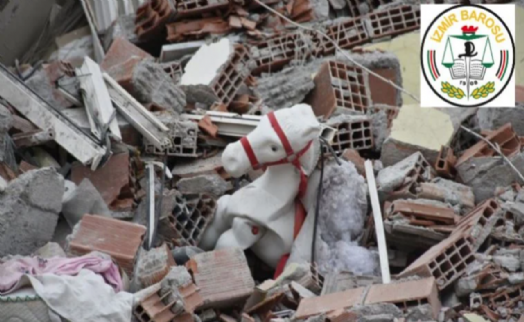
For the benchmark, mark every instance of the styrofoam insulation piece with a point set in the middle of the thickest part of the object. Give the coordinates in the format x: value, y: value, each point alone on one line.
x: 425, y: 127
x: 205, y: 65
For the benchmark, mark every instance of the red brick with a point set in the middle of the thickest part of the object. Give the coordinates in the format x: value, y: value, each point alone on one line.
x: 123, y: 73
x: 328, y: 303
x: 155, y: 308
x: 189, y: 219
x: 338, y: 85
x: 394, y: 21
x: 206, y: 125
x: 438, y: 215
x: 445, y: 164
x: 223, y: 277
x: 406, y: 295
x: 109, y: 179
x: 348, y: 34
x: 119, y: 239
x: 186, y: 30
x: 277, y: 51
x: 120, y: 51
x: 446, y: 261
x: 382, y: 92
x: 195, y: 8
x: 152, y: 17
x: 479, y: 222
x: 232, y: 77
x: 504, y: 136
x: 354, y: 134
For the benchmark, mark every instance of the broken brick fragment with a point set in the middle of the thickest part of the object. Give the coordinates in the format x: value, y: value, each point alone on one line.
x: 406, y: 294
x: 445, y: 165
x: 446, y: 261
x: 206, y: 125
x: 339, y: 85
x: 120, y: 51
x: 328, y: 303
x: 153, y: 265
x: 109, y: 179
x: 223, y: 277
x: 119, y: 239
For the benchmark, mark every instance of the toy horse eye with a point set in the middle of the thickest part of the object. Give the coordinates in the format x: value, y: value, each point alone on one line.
x: 274, y: 148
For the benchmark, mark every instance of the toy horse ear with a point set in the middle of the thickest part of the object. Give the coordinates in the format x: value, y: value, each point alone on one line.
x: 308, y: 119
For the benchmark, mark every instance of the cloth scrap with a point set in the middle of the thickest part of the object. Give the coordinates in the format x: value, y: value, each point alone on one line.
x: 12, y: 270
x: 83, y: 298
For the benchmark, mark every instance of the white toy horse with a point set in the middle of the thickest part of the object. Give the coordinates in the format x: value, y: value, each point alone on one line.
x: 264, y: 216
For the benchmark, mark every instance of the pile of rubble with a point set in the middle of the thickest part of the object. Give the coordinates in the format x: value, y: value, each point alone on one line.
x: 116, y: 190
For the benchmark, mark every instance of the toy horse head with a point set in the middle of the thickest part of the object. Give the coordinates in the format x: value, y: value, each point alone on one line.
x: 279, y: 137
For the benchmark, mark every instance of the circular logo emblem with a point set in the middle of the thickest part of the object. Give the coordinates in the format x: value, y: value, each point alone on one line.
x: 468, y: 56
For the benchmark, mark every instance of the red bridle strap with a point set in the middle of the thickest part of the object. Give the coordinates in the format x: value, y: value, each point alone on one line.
x: 289, y: 153
x: 280, y: 133
x: 250, y: 153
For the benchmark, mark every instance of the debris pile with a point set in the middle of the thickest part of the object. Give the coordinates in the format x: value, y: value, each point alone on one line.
x: 253, y: 161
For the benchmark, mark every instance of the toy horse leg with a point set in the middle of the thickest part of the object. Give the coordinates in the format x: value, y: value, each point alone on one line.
x: 217, y: 226
x: 243, y: 234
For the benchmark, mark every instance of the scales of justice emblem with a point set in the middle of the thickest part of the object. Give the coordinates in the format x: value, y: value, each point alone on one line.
x: 466, y: 63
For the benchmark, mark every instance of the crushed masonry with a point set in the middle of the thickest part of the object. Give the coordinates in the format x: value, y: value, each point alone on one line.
x: 188, y: 161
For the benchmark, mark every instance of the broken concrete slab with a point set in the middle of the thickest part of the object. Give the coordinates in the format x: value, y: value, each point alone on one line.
x: 287, y: 87
x: 212, y: 184
x: 147, y: 81
x: 151, y: 85
x: 413, y: 168
x: 29, y: 211
x: 485, y: 174
x: 153, y: 265
x: 417, y: 129
x: 494, y: 118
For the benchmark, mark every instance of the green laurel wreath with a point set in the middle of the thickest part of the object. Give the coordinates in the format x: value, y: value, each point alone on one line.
x: 484, y: 91
x: 452, y: 91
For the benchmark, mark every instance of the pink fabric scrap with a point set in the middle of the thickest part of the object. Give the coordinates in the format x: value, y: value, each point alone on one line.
x: 12, y: 270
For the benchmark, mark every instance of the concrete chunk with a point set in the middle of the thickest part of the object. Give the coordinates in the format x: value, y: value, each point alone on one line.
x: 85, y: 199
x: 212, y: 184
x: 29, y: 210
